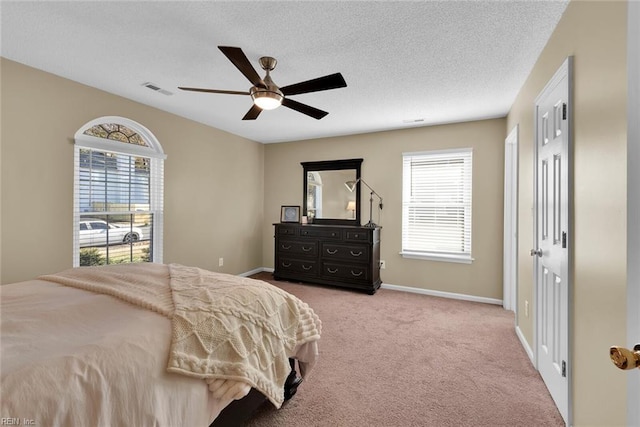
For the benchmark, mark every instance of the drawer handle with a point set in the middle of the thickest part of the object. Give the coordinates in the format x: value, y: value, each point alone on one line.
x: 307, y: 249
x: 356, y: 236
x: 333, y: 234
x: 332, y: 271
x: 304, y: 267
x: 356, y: 275
x: 330, y: 252
x: 284, y: 264
x: 304, y: 233
x: 286, y: 247
x: 356, y: 254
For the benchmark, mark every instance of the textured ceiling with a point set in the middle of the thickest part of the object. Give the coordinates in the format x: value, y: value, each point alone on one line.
x: 406, y: 63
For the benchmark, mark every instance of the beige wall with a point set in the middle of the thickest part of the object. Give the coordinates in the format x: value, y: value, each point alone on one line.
x: 595, y: 34
x: 213, y: 180
x: 382, y: 169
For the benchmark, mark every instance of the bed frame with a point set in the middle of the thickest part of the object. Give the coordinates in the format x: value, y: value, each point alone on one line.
x: 240, y: 411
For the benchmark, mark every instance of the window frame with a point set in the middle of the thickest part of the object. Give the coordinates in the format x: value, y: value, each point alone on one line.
x: 465, y: 255
x: 153, y: 151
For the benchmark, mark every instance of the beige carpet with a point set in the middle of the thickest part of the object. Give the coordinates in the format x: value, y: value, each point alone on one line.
x: 401, y: 359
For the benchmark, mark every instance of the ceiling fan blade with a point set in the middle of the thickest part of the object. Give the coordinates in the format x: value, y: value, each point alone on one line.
x: 253, y: 113
x: 240, y: 60
x: 304, y: 109
x: 332, y: 81
x: 228, y: 92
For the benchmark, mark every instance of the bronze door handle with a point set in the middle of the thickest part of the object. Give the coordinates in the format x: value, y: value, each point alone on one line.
x: 624, y: 358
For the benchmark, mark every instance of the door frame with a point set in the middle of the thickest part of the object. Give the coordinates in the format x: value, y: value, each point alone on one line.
x: 633, y: 203
x: 565, y: 70
x: 510, y: 245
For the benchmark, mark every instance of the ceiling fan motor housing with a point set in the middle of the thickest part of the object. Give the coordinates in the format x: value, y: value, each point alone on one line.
x: 267, y: 98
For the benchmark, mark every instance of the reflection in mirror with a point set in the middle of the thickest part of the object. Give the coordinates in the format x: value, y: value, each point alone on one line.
x: 328, y: 197
x: 327, y: 200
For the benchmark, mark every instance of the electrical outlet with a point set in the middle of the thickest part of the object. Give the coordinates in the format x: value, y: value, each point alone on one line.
x: 383, y: 264
x: 220, y: 262
x: 526, y: 308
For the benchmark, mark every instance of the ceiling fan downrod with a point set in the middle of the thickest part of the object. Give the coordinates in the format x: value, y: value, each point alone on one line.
x: 271, y: 97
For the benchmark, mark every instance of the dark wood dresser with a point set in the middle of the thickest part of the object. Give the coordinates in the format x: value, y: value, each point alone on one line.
x: 339, y: 255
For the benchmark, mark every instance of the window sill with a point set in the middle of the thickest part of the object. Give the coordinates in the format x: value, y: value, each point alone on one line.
x: 460, y: 259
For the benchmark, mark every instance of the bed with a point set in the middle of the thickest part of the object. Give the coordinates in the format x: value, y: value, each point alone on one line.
x: 149, y: 345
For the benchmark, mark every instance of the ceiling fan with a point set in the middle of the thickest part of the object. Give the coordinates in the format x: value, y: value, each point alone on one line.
x: 266, y: 94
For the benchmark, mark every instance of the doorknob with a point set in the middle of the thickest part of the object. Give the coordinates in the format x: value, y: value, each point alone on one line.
x: 624, y: 358
x: 535, y: 252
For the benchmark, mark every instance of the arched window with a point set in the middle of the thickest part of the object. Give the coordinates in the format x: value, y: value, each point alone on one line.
x: 314, y: 194
x: 118, y: 193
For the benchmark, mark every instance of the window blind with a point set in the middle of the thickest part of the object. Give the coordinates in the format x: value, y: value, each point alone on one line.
x: 436, y: 204
x: 113, y: 182
x: 114, y: 208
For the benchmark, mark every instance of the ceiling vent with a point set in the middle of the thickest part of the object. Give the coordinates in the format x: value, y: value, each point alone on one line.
x: 157, y: 88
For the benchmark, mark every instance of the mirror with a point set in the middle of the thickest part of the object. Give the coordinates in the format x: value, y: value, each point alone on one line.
x: 327, y: 198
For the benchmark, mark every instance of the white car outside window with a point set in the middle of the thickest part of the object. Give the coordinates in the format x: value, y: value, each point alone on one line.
x: 96, y: 232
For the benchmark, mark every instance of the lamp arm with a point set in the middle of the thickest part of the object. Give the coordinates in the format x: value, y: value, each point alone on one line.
x: 372, y: 190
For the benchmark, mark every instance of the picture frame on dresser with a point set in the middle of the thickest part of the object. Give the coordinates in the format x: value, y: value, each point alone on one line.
x: 290, y: 214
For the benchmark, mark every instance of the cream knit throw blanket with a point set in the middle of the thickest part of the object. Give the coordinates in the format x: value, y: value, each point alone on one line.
x: 224, y: 327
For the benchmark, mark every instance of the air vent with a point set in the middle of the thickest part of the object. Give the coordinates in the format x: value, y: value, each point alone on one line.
x: 156, y: 88
x: 413, y: 121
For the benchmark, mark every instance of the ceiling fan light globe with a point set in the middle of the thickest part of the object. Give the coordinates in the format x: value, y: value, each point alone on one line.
x: 267, y: 103
x: 266, y: 99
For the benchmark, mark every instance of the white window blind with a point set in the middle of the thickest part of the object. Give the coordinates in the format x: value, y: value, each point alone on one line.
x: 436, y: 205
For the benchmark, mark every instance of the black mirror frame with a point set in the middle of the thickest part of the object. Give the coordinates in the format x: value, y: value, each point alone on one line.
x: 326, y: 165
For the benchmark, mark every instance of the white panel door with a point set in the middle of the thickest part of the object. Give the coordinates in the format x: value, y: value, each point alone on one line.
x: 552, y: 237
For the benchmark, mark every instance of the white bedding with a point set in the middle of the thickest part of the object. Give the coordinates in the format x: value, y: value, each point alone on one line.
x: 71, y: 357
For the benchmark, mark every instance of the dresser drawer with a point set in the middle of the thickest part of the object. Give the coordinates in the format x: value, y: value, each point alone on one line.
x: 362, y: 236
x: 326, y: 233
x: 345, y: 271
x: 353, y: 253
x: 308, y: 248
x: 297, y: 266
x: 287, y: 231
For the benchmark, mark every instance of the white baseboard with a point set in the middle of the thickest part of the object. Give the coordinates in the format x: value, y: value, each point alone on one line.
x: 525, y: 345
x: 405, y: 289
x: 255, y: 271
x: 442, y: 294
